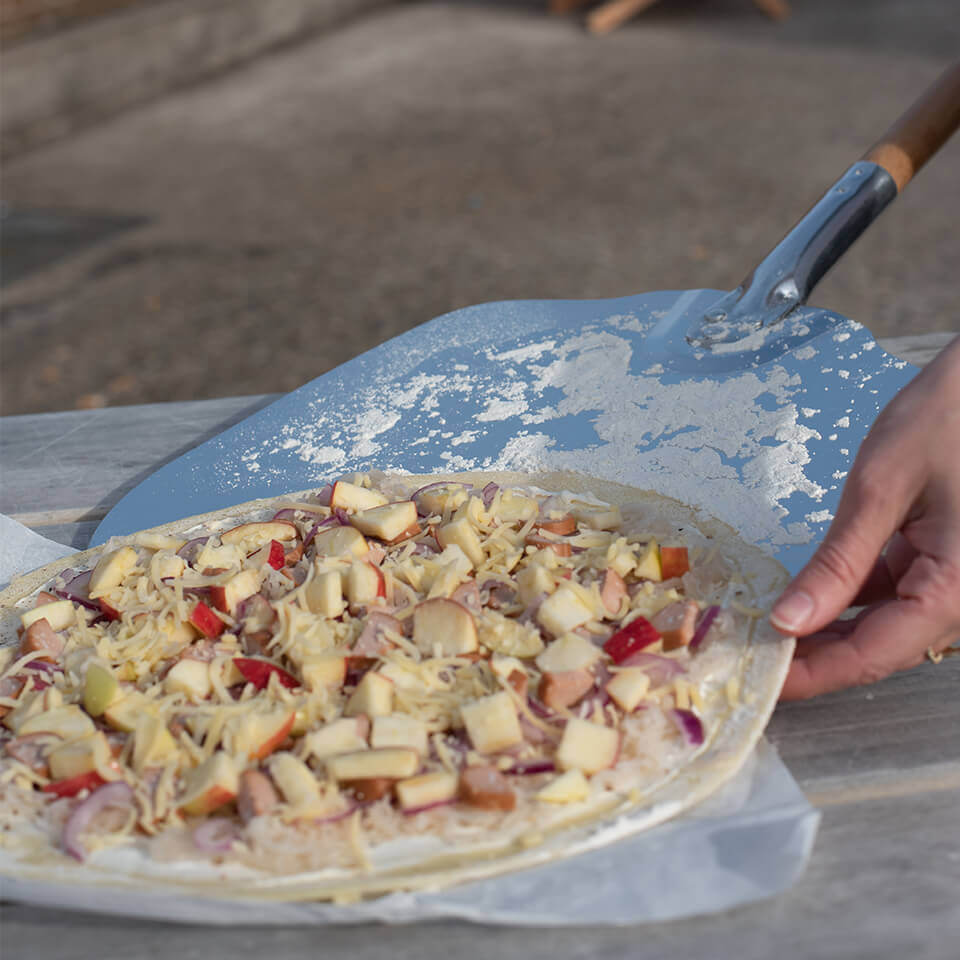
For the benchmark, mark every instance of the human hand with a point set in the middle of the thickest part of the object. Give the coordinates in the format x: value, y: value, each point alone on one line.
x: 903, y: 493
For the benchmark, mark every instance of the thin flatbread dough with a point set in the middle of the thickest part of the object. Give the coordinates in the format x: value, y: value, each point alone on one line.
x: 754, y: 664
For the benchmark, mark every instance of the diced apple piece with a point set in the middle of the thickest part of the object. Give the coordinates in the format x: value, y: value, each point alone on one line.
x: 158, y: 541
x: 461, y: 533
x: 31, y: 705
x: 206, y: 621
x: 100, y: 689
x: 563, y: 689
x: 153, y: 745
x: 563, y: 611
x: 79, y: 756
x: 445, y: 625
x: 340, y: 736
x: 252, y: 536
x: 167, y: 565
x: 122, y: 713
x: 569, y: 787
x: 67, y: 722
x: 395, y: 763
x: 674, y: 562
x: 225, y: 556
x: 365, y: 582
x: 324, y: 672
x: 569, y: 652
x: 399, y: 730
x: 628, y: 687
x: 271, y: 554
x: 437, y: 499
x: 295, y: 781
x: 492, y: 723
x: 256, y: 735
x: 189, y: 677
x: 598, y: 517
x: 349, y: 496
x: 341, y: 542
x: 487, y: 788
x: 373, y: 696
x: 110, y: 571
x: 516, y: 507
x: 386, y: 522
x: 60, y: 614
x: 324, y: 594
x: 588, y: 747
x: 210, y: 785
x: 648, y: 566
x: 427, y: 790
x: 534, y: 580
x: 227, y: 597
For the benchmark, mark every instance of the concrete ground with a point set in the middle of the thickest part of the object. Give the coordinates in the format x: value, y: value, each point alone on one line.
x: 246, y: 235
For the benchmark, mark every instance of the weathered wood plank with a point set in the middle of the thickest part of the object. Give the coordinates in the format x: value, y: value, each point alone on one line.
x: 875, y: 888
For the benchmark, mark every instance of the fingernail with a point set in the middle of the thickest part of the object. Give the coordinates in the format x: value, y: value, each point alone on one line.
x: 792, y: 610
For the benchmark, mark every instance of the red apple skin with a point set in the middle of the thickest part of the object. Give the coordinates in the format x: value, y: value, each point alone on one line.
x: 258, y: 672
x: 218, y: 597
x: 277, y: 557
x: 71, y: 786
x: 206, y: 621
x: 413, y: 530
x: 674, y: 562
x: 631, y: 639
x: 271, y: 744
x: 111, y: 613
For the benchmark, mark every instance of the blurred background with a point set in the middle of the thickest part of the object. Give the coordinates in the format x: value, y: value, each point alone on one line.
x: 206, y: 198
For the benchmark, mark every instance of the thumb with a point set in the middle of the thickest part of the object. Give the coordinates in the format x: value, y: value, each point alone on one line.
x: 867, y: 517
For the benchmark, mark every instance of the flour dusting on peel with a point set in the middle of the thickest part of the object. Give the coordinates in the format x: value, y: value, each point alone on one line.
x: 734, y: 445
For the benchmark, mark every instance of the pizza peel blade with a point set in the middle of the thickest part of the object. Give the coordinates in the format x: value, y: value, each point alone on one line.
x: 748, y: 405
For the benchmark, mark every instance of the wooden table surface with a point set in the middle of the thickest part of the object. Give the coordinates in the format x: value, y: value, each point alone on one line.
x: 882, y: 763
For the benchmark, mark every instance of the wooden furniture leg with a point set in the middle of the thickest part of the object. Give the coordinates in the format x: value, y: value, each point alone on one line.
x: 609, y: 16
x: 775, y: 9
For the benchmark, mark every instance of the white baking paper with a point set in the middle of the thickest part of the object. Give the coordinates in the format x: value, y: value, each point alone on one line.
x: 750, y: 841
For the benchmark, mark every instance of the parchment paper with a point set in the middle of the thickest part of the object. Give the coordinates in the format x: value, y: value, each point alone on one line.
x: 750, y: 841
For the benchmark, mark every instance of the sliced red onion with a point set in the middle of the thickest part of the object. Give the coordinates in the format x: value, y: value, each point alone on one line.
x: 191, y: 548
x: 703, y: 627
x: 216, y: 835
x: 116, y: 794
x: 422, y: 549
x: 468, y: 596
x: 488, y: 493
x: 551, y: 504
x: 429, y: 806
x: 532, y: 607
x: 287, y: 513
x: 660, y: 669
x: 371, y: 642
x: 323, y: 495
x: 539, y: 709
x: 526, y: 768
x: 343, y: 814
x: 44, y: 666
x: 576, y: 549
x: 77, y: 591
x: 690, y: 725
x: 433, y: 486
x: 341, y: 516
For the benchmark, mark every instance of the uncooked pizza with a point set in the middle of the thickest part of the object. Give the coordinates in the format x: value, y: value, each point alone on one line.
x: 385, y: 683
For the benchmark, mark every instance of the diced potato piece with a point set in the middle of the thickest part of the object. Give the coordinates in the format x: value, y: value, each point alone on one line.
x: 492, y: 723
x: 569, y: 652
x: 462, y: 533
x: 212, y: 784
x: 569, y: 787
x: 340, y: 736
x: 373, y: 696
x: 79, y: 756
x: 349, y: 496
x: 68, y: 722
x: 189, y: 677
x: 426, y: 790
x: 399, y: 730
x: 648, y: 566
x: 31, y: 705
x: 100, y: 689
x: 588, y: 747
x: 444, y: 624
x: 60, y: 614
x: 386, y: 522
x: 396, y: 763
x: 324, y: 594
x: 563, y: 611
x: 111, y: 570
x: 323, y: 672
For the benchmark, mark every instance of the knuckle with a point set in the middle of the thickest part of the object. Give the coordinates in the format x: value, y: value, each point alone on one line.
x: 834, y: 558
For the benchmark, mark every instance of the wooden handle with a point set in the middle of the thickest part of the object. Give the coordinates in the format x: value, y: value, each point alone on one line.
x: 920, y: 132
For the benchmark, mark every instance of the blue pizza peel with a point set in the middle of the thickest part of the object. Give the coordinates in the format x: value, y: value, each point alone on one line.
x: 749, y: 404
